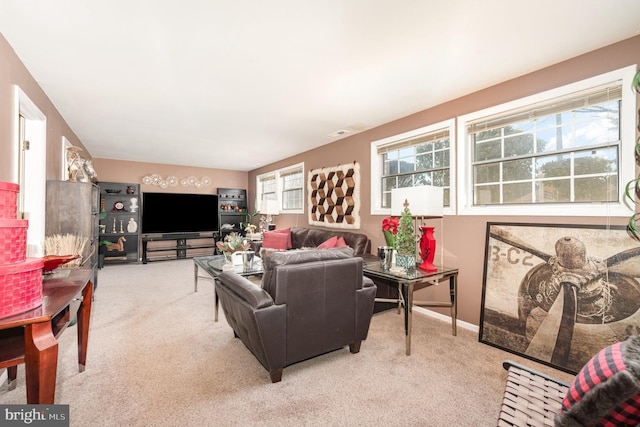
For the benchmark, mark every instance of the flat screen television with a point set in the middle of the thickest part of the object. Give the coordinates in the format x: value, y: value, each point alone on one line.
x: 173, y: 213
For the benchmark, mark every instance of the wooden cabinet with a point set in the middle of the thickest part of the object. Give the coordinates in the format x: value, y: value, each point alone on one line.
x: 120, y: 221
x: 72, y: 208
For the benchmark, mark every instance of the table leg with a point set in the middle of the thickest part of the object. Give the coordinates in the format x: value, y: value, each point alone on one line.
x: 195, y: 277
x: 407, y: 293
x: 84, y: 318
x: 215, y: 317
x: 41, y: 363
x: 453, y: 290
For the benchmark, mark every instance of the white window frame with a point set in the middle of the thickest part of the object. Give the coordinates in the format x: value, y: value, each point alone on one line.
x: 277, y: 173
x: 376, y: 165
x: 626, y: 166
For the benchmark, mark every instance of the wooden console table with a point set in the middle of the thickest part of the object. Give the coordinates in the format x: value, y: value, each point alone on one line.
x: 31, y: 337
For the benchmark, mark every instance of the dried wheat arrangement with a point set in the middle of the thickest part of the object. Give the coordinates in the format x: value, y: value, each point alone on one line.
x: 67, y: 244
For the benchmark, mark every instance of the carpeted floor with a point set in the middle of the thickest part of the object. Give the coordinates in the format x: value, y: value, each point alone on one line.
x: 157, y: 358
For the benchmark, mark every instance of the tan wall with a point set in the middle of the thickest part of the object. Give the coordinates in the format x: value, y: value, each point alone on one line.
x: 13, y: 72
x: 460, y: 238
x: 133, y: 172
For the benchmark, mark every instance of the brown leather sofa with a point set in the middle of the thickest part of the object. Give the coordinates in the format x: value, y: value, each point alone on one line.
x: 312, y: 237
x: 311, y: 302
x: 305, y: 238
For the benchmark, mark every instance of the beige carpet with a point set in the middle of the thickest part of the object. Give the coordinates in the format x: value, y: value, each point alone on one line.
x: 156, y: 358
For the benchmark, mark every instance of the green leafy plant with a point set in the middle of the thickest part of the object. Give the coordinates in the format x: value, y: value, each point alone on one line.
x: 632, y: 190
x: 233, y: 242
x: 405, y: 242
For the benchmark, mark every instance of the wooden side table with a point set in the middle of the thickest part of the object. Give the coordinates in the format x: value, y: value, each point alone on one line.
x: 31, y: 337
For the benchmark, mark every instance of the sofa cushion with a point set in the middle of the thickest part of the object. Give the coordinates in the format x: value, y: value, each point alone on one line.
x: 329, y: 243
x: 312, y: 237
x: 272, y: 259
x: 340, y: 243
x: 277, y: 239
x: 606, y: 391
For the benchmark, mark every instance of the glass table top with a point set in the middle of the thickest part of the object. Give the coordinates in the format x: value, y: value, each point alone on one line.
x: 216, y: 264
x: 374, y: 269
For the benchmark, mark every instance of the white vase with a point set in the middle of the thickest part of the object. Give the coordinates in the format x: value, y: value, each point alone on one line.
x: 132, y: 226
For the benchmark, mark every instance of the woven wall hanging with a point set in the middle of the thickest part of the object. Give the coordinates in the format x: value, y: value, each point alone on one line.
x: 334, y: 196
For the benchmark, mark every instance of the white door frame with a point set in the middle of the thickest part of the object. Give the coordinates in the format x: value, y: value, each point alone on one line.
x: 32, y: 180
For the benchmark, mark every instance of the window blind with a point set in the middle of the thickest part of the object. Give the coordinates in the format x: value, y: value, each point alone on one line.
x: 413, y: 141
x: 573, y: 101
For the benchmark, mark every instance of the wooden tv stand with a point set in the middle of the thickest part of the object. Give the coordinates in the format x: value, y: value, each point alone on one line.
x: 186, y: 245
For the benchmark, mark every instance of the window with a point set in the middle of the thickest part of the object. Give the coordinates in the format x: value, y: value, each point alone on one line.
x: 419, y: 157
x: 563, y: 147
x: 284, y: 185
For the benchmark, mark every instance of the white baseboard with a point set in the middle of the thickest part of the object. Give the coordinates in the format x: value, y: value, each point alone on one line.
x: 445, y: 318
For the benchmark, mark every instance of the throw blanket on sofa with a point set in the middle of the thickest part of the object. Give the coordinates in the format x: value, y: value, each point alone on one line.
x: 334, y: 196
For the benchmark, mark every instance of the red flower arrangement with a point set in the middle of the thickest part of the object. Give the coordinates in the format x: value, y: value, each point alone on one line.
x: 390, y: 229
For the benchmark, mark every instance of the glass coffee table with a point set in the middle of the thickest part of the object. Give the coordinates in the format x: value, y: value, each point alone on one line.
x: 215, y: 265
x: 410, y: 281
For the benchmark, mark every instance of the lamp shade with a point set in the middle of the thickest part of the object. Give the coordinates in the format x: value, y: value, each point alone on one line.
x: 424, y: 200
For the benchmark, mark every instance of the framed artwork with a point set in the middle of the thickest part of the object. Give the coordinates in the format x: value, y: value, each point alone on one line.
x: 334, y: 196
x: 558, y: 294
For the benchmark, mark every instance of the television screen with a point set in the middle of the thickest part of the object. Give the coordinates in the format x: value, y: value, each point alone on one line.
x: 179, y: 213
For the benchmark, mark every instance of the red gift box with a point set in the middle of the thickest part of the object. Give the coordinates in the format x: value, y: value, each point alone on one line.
x: 20, y: 287
x: 8, y: 199
x: 13, y: 240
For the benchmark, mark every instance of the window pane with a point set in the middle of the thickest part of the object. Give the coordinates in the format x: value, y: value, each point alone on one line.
x: 487, y: 195
x: 421, y: 179
x: 424, y: 162
x: 516, y: 170
x: 518, y: 145
x: 489, y: 150
x: 596, y: 189
x: 553, y: 191
x: 390, y: 167
x: 553, y: 166
x: 487, y: 173
x: 407, y: 165
x: 596, y: 161
x: 517, y: 193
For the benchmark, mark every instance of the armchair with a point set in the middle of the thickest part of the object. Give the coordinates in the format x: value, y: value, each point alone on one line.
x: 310, y: 303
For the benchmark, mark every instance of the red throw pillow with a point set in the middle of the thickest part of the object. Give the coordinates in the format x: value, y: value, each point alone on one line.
x: 277, y: 239
x: 329, y: 243
x: 340, y: 243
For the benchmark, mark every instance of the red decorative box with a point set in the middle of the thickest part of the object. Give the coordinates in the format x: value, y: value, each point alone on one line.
x: 8, y: 199
x: 13, y: 240
x: 20, y: 287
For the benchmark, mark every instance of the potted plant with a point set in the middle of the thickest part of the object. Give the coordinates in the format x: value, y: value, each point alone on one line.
x: 633, y: 186
x: 232, y: 242
x: 405, y: 241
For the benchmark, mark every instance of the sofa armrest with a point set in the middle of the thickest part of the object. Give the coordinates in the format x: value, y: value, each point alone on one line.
x: 254, y: 295
x: 367, y: 282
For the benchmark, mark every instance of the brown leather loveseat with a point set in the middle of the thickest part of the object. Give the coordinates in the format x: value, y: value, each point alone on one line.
x: 312, y: 237
x: 311, y: 302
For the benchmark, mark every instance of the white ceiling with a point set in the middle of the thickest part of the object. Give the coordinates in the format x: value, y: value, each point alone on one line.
x: 240, y: 84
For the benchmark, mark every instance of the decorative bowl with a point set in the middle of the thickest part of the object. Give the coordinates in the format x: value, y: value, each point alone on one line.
x: 51, y: 262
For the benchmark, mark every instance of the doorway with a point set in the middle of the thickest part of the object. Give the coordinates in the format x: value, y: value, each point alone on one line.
x: 30, y: 170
